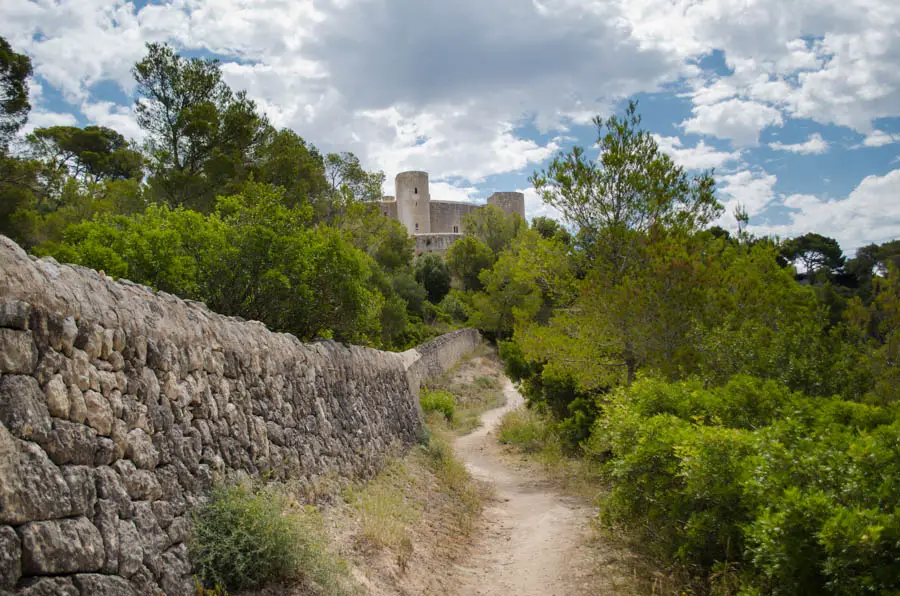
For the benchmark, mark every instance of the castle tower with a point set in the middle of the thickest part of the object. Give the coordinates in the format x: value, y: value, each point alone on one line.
x: 509, y: 202
x: 413, y: 201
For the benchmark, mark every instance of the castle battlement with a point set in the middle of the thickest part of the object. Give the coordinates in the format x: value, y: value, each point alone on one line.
x: 437, y: 224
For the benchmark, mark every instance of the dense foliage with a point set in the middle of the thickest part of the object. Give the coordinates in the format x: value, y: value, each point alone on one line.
x: 799, y: 493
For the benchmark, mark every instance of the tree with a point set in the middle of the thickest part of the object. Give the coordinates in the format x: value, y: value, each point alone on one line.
x: 633, y: 189
x: 191, y: 117
x: 466, y: 259
x: 14, y: 72
x: 286, y: 160
x: 528, y: 280
x: 97, y: 151
x: 241, y: 136
x: 493, y: 227
x: 433, y: 274
x: 348, y: 183
x: 550, y: 228
x: 179, y: 101
x: 816, y: 253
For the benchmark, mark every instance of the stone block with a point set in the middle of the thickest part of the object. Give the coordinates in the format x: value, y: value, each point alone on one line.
x: 131, y: 555
x: 94, y: 584
x: 77, y: 407
x: 110, y: 486
x: 61, y: 546
x: 14, y: 314
x: 49, y: 586
x: 32, y: 488
x: 71, y: 443
x: 140, y: 449
x: 99, y: 412
x: 22, y: 408
x: 107, y: 521
x: 10, y: 557
x: 18, y: 354
x: 57, y: 397
x: 62, y: 331
x: 82, y: 489
x: 141, y: 485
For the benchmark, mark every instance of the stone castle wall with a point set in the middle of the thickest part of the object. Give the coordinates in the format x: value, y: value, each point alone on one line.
x: 436, y: 243
x: 447, y: 214
x: 512, y: 203
x: 119, y: 406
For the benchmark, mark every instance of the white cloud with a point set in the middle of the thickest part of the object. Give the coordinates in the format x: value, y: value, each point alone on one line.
x: 750, y: 189
x: 833, y: 61
x: 815, y: 145
x: 735, y: 119
x: 879, y: 138
x: 701, y: 157
x: 435, y: 144
x: 536, y: 207
x: 870, y: 213
x: 404, y: 84
x: 40, y: 119
x: 116, y: 117
x: 446, y: 191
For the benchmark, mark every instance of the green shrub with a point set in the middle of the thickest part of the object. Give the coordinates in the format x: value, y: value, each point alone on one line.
x: 454, y: 307
x: 438, y: 401
x: 525, y: 429
x: 244, y: 538
x: 798, y: 495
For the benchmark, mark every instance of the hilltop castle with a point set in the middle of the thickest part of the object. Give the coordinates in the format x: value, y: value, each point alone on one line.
x: 437, y: 224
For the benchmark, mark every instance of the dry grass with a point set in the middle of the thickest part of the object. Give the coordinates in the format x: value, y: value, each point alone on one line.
x: 477, y: 384
x: 401, y: 530
x: 385, y: 508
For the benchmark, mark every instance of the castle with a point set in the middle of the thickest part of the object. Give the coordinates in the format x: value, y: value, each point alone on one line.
x: 437, y: 224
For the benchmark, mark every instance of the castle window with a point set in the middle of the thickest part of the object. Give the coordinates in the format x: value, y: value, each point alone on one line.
x: 416, y: 190
x: 417, y: 226
x: 456, y: 229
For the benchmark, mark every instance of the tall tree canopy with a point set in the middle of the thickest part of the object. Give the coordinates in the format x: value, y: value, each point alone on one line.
x: 633, y: 188
x: 814, y: 252
x: 93, y: 150
x: 15, y: 69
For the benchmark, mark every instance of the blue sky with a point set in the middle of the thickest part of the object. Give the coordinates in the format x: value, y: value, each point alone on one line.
x: 796, y: 105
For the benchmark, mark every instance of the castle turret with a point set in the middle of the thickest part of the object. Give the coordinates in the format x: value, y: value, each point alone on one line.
x: 413, y: 200
x: 509, y: 202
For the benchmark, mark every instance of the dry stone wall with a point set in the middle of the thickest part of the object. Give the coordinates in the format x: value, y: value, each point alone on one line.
x: 434, y: 358
x: 119, y: 406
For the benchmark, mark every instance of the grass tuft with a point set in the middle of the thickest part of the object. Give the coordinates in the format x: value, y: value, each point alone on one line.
x: 526, y: 430
x: 246, y: 536
x: 438, y: 401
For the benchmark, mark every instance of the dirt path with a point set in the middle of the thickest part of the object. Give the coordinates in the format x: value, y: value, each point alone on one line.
x: 534, y: 534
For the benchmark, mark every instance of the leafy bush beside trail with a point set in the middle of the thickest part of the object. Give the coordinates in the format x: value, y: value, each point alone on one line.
x: 245, y: 537
x: 800, y: 495
x: 438, y: 401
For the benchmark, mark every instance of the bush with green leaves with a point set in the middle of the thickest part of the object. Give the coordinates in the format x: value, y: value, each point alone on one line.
x: 801, y: 494
x: 245, y: 537
x: 438, y: 401
x: 525, y: 429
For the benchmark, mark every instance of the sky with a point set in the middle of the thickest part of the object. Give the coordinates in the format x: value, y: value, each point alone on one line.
x: 795, y: 105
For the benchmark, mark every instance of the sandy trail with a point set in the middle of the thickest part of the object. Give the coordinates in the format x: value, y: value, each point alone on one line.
x: 533, y: 531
